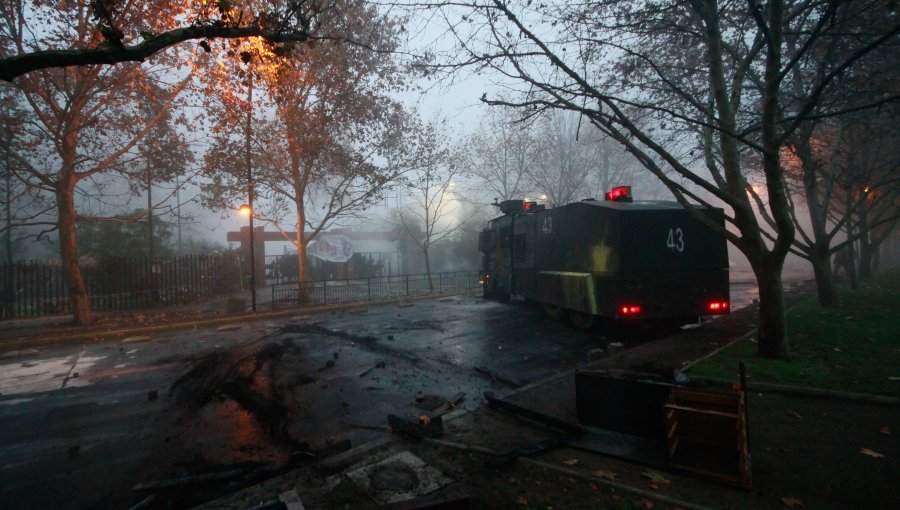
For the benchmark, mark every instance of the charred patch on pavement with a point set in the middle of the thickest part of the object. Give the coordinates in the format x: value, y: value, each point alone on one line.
x: 246, y: 377
x: 315, y: 328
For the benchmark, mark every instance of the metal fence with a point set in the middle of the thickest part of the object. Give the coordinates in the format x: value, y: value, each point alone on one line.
x: 36, y: 288
x: 328, y: 292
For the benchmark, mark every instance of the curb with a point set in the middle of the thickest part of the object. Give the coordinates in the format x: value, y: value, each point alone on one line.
x: 36, y: 340
x: 803, y: 391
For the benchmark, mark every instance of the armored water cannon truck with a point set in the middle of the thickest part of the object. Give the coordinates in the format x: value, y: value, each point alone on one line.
x: 617, y: 258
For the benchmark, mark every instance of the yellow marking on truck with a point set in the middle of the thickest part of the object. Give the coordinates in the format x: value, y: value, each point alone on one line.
x: 600, y: 257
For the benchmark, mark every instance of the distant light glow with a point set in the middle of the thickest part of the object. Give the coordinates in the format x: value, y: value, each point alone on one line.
x: 245, y: 210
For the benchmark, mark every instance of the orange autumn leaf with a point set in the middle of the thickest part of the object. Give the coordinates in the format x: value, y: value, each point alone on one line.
x: 871, y: 453
x: 656, y: 478
x: 609, y: 475
x: 793, y: 503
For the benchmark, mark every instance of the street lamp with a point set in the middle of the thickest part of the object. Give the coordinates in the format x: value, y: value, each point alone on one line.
x: 247, y: 210
x: 247, y: 133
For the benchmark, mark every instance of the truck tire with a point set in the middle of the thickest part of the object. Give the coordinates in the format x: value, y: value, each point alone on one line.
x: 582, y: 320
x: 554, y: 312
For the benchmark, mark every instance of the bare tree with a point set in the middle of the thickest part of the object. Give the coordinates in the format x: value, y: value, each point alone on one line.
x: 17, y: 203
x: 866, y: 195
x: 575, y: 160
x: 560, y: 156
x: 711, y: 75
x: 845, y: 171
x: 565, y: 159
x: 502, y: 152
x: 436, y: 210
x: 821, y: 148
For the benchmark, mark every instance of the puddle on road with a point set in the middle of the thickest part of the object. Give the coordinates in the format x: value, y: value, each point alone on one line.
x: 46, y: 375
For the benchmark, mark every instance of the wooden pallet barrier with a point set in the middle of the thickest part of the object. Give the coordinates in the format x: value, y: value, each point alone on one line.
x: 707, y: 436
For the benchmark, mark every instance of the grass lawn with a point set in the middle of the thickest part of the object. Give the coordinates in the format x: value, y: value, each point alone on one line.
x: 854, y: 347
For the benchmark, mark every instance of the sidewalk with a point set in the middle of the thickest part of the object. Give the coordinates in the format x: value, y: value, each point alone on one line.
x: 19, y: 334
x: 40, y: 331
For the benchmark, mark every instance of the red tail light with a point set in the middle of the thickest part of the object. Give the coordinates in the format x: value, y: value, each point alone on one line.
x: 629, y: 309
x: 717, y: 306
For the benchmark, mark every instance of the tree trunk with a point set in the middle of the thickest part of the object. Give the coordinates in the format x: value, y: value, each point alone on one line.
x: 865, y: 260
x: 301, y: 258
x: 428, y: 268
x: 773, y: 343
x: 865, y: 246
x: 300, y: 243
x: 772, y: 340
x: 818, y: 217
x: 821, y: 263
x: 67, y: 219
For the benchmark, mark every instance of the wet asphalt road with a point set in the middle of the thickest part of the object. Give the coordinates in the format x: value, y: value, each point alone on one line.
x: 83, y: 426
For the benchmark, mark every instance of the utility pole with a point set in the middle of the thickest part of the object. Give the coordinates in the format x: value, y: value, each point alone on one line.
x: 178, y: 211
x: 149, y: 212
x: 8, y: 233
x: 7, y: 170
x: 247, y: 134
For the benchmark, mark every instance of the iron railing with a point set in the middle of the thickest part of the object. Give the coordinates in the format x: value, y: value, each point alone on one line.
x: 39, y: 288
x: 355, y: 290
